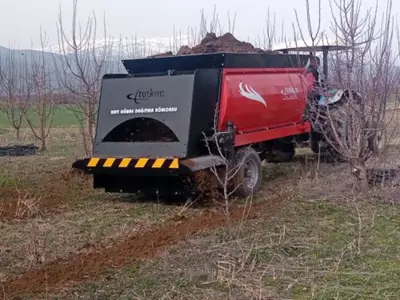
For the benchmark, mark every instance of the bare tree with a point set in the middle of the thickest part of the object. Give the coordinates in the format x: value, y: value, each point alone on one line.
x: 83, y: 63
x: 315, y: 37
x: 133, y: 47
x: 227, y: 177
x: 364, y: 77
x: 269, y: 32
x: 195, y: 36
x: 41, y: 108
x: 207, y: 27
x: 14, y: 88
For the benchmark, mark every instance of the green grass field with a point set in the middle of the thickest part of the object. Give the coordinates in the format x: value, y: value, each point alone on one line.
x: 314, y: 238
x: 64, y: 116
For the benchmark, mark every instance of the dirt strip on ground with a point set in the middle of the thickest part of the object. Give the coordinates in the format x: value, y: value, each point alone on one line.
x: 89, y: 266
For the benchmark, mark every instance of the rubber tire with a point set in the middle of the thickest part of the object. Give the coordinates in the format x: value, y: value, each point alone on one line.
x: 243, y: 156
x: 313, y: 143
x: 327, y: 148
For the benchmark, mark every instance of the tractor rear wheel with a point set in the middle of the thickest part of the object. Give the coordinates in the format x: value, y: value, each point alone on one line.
x: 248, y: 178
x: 333, y: 124
x: 314, y: 142
x: 335, y: 129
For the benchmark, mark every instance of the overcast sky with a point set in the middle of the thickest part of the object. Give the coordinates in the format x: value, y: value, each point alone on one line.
x: 20, y: 20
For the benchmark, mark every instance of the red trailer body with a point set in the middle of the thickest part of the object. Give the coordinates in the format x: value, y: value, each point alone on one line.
x: 263, y: 104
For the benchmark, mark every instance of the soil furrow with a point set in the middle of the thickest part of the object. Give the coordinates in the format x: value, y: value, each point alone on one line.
x: 55, y: 192
x: 89, y: 266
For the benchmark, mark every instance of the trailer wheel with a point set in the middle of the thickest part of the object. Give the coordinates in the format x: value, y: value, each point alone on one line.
x: 248, y: 178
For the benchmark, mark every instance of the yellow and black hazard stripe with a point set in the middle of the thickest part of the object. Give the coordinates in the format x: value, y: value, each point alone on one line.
x: 139, y: 163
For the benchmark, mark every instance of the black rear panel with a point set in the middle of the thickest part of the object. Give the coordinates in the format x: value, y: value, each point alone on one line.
x: 145, y: 117
x: 156, y: 116
x: 213, y: 61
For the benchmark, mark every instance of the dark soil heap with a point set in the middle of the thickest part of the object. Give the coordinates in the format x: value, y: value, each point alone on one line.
x: 213, y: 44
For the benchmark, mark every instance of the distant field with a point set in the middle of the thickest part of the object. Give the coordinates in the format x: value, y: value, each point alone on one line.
x: 63, y: 117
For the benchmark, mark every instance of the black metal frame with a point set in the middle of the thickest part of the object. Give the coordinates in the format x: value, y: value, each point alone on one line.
x: 213, y: 61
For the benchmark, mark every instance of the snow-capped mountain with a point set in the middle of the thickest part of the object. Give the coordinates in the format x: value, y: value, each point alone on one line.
x: 123, y: 47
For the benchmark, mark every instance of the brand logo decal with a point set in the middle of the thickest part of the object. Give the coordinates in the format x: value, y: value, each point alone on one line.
x: 142, y: 95
x: 290, y: 93
x: 249, y: 93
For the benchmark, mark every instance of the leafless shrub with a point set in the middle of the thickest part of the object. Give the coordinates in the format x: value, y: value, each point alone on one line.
x: 212, y: 26
x: 130, y: 48
x: 215, y: 24
x: 83, y: 64
x: 14, y: 88
x: 26, y: 205
x: 194, y: 35
x: 223, y: 176
x: 36, y: 249
x: 233, y: 271
x: 355, y: 126
x: 134, y: 47
x: 41, y: 107
x: 269, y: 37
x: 315, y: 36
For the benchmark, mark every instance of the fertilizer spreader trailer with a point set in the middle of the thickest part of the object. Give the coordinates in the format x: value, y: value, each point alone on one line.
x: 171, y: 117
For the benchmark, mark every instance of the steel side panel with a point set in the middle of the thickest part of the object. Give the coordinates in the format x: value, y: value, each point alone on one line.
x: 178, y: 92
x: 271, y: 134
x: 278, y: 110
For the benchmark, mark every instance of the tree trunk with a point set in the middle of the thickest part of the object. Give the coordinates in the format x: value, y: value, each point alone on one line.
x: 364, y: 186
x: 361, y: 175
x: 90, y: 135
x: 43, y: 146
x: 18, y: 133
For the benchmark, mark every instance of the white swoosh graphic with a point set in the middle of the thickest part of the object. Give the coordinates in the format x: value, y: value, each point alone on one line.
x: 249, y: 93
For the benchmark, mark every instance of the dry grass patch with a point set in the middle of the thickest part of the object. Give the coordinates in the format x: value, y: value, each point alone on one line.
x: 34, y: 185
x: 50, y: 212
x: 335, y: 246
x: 305, y: 250
x: 324, y: 242
x: 93, y: 223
